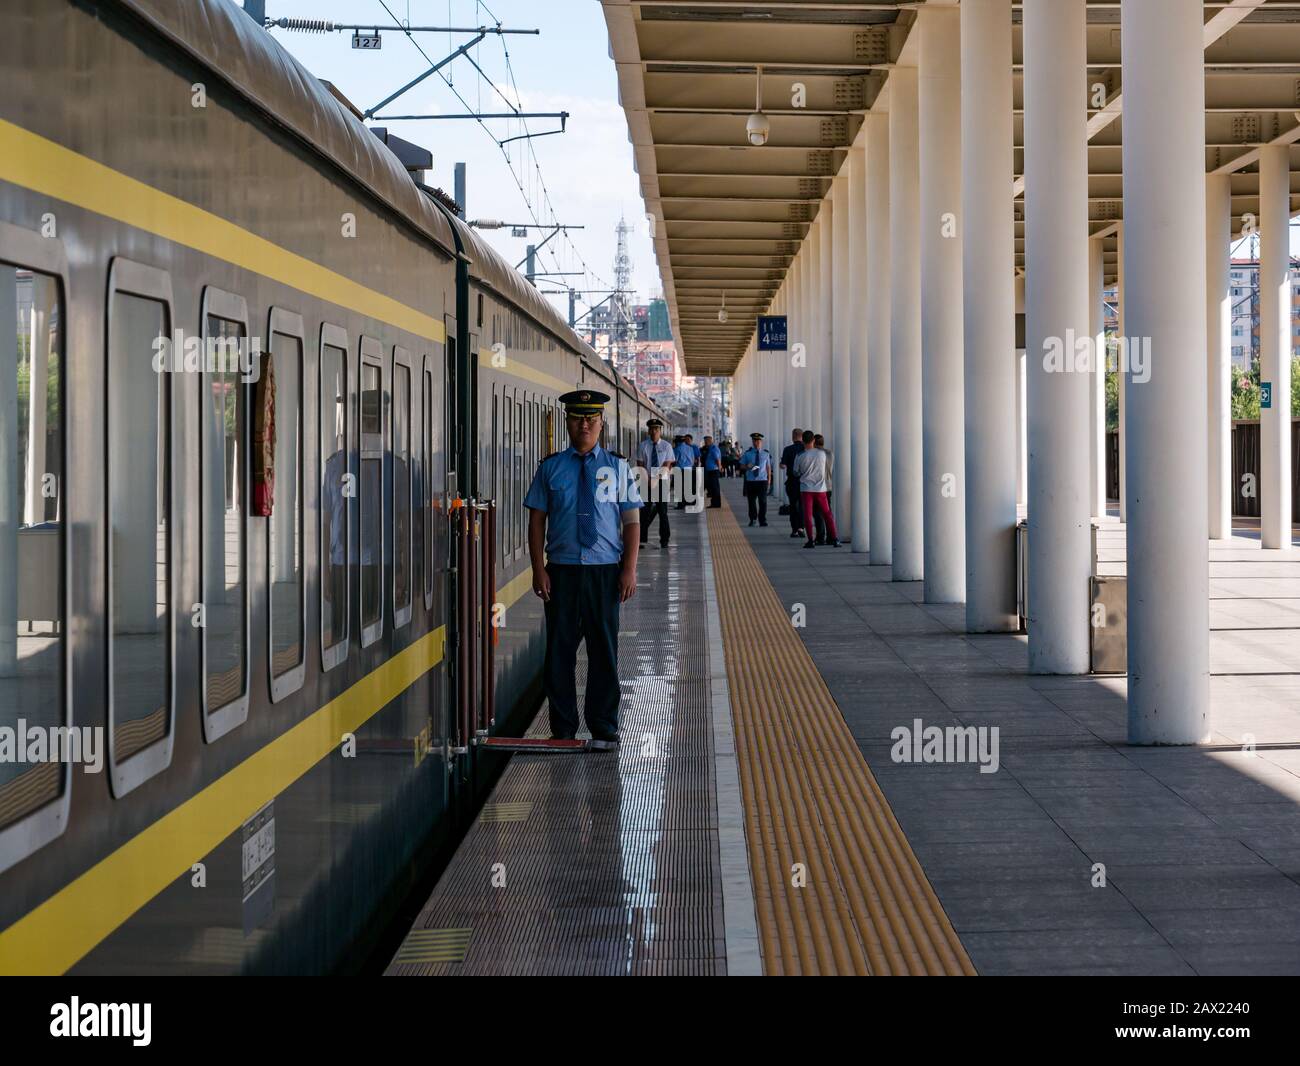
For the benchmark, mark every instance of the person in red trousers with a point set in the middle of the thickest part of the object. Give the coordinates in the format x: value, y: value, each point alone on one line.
x: 811, y: 467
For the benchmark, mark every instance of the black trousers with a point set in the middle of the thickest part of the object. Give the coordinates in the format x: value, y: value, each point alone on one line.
x: 756, y: 494
x: 796, y: 504
x: 713, y: 486
x: 648, y: 513
x: 583, y: 605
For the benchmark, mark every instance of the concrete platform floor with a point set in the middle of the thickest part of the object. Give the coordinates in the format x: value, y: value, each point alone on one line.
x: 1200, y: 846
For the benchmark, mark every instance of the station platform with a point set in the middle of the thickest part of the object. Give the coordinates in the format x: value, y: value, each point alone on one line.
x: 759, y: 817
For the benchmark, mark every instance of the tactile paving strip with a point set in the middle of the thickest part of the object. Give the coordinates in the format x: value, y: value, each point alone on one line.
x: 601, y: 864
x: 837, y: 888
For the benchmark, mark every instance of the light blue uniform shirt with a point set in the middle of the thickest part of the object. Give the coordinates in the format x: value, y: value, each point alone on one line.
x: 554, y: 491
x: 762, y: 460
x: 685, y: 456
x: 713, y: 458
x: 655, y: 455
x: 695, y: 451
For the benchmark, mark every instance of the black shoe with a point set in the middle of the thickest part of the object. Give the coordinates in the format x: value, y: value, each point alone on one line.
x: 810, y: 544
x: 561, y: 736
x: 751, y: 521
x: 604, y: 742
x: 763, y: 524
x: 795, y: 533
x: 835, y: 544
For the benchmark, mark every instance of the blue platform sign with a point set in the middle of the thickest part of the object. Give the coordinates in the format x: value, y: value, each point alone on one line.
x: 772, y: 333
x: 1265, y: 395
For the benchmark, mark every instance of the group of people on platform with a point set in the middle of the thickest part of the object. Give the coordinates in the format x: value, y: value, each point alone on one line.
x: 808, y: 466
x: 584, y: 539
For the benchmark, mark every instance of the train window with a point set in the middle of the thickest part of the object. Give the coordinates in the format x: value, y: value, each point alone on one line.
x: 32, y: 687
x: 508, y: 472
x: 428, y: 509
x: 372, y: 492
x: 141, y: 648
x: 401, y: 439
x: 223, y: 507
x: 496, y: 464
x: 519, y: 475
x: 280, y: 491
x: 335, y: 497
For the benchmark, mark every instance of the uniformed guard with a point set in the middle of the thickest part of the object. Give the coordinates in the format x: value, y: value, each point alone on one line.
x: 684, y: 461
x: 656, y: 455
x: 757, y: 465
x: 584, y: 507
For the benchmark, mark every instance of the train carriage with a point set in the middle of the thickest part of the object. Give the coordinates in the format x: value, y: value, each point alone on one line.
x: 275, y: 559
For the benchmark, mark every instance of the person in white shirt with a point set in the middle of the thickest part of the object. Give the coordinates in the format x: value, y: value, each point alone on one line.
x: 820, y: 442
x: 656, y: 455
x: 811, y: 467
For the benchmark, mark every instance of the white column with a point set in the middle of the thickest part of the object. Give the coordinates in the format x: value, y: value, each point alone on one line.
x: 789, y: 414
x: 1022, y: 423
x: 826, y: 319
x: 1218, y: 329
x: 812, y: 383
x: 905, y: 324
x: 10, y: 472
x: 859, y: 509
x: 879, y: 286
x: 943, y: 461
x: 1275, y: 346
x: 1097, y: 379
x: 1056, y: 299
x: 989, y: 319
x: 1121, y: 390
x: 1164, y: 190
x: 840, y: 437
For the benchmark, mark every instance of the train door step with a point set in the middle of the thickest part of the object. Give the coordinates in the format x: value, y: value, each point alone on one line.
x: 543, y: 745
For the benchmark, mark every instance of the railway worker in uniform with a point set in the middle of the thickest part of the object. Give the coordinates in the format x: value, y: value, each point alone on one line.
x: 655, y: 455
x: 757, y: 466
x: 713, y: 472
x: 584, y: 508
x: 684, y: 460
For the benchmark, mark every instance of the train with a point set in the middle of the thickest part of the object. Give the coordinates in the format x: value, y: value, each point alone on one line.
x: 263, y: 562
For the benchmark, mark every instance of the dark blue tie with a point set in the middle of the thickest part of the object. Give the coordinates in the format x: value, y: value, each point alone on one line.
x: 586, y: 501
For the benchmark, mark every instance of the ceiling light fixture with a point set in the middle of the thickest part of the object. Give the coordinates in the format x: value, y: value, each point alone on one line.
x: 758, y: 128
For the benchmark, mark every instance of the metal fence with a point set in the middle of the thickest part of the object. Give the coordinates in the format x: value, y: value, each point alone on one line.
x: 1245, y: 461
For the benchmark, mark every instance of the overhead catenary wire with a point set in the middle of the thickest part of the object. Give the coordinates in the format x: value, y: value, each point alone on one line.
x: 515, y: 106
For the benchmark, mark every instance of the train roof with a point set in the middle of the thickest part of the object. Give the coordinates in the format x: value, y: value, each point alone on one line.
x: 219, y: 34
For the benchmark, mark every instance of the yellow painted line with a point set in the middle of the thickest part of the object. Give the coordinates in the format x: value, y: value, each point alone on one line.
x: 433, y: 946
x: 862, y: 904
x: 517, y: 369
x: 45, y: 167
x: 51, y: 938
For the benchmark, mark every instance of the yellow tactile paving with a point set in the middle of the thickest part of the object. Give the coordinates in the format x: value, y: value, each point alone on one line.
x: 813, y: 810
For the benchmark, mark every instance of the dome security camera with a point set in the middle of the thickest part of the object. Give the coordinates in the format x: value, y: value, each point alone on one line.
x: 722, y: 314
x: 758, y: 128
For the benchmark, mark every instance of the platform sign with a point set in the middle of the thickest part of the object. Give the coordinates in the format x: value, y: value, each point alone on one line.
x: 367, y: 40
x: 1265, y: 395
x: 772, y: 333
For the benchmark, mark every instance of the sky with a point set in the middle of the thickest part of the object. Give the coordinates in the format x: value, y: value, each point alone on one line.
x: 587, y: 170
